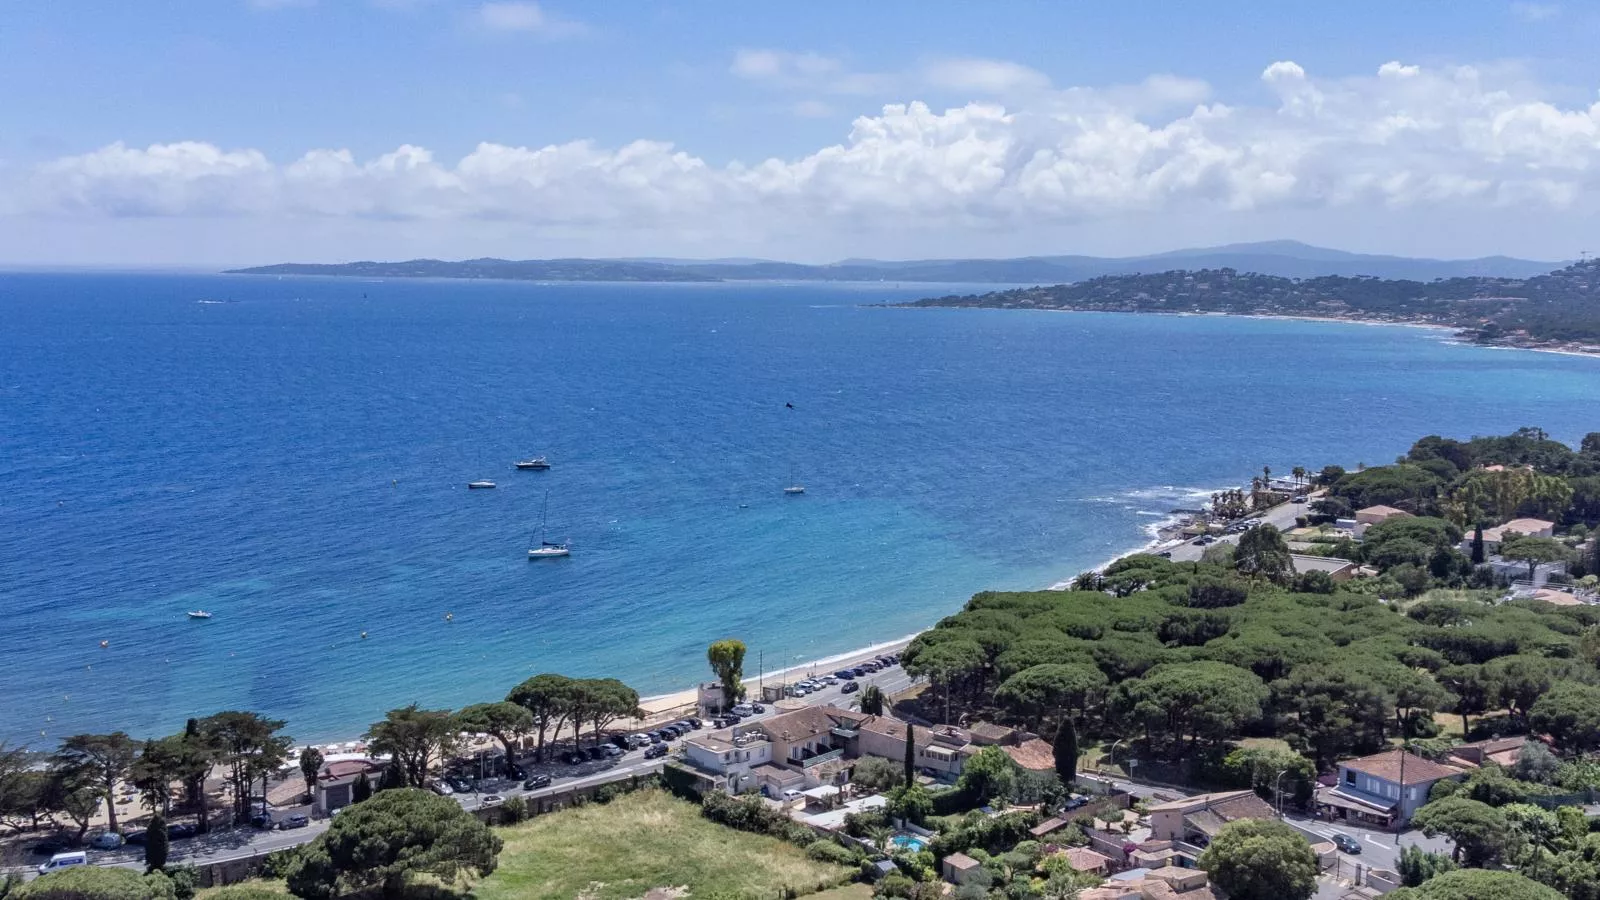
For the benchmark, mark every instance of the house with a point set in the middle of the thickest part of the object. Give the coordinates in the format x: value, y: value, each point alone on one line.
x: 1383, y: 789
x: 1196, y: 820
x: 1165, y: 883
x: 1525, y: 527
x: 1372, y: 515
x: 1337, y: 569
x: 1082, y: 859
x: 1496, y: 751
x: 958, y: 868
x: 795, y: 750
x: 336, y: 781
x: 941, y: 749
x: 1557, y: 598
x: 1032, y: 754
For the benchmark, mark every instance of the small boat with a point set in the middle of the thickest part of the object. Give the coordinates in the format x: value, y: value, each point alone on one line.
x: 480, y: 485
x: 547, y: 549
x: 795, y: 489
x: 199, y: 614
x: 538, y: 462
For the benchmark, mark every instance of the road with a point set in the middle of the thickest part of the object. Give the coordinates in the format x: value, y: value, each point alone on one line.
x: 1281, y: 517
x: 238, y: 843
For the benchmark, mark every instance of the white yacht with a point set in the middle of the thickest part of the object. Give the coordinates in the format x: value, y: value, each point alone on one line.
x: 548, y: 549
x: 480, y: 485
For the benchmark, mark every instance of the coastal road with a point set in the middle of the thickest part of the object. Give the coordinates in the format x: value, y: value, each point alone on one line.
x: 244, y: 842
x: 1281, y: 517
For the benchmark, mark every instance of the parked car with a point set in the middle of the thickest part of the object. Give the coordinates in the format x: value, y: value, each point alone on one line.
x: 845, y: 673
x: 180, y: 830
x: 743, y: 709
x: 694, y: 723
x: 1346, y: 843
x: 491, y: 800
x: 655, y: 737
x: 655, y: 751
x: 598, y: 752
x: 262, y: 820
x: 461, y: 785
x: 51, y: 846
x: 1076, y: 801
x: 757, y: 708
x: 850, y: 687
x: 517, y: 772
x: 612, y: 751
x: 106, y: 840
x: 573, y: 757
x: 440, y: 788
x: 535, y: 782
x: 66, y: 860
x: 134, y: 837
x: 298, y: 820
x: 635, y: 741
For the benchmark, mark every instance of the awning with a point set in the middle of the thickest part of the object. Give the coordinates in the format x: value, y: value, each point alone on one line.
x: 1345, y: 801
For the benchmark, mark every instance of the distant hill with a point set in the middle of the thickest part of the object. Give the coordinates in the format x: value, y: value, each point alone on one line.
x: 1287, y: 259
x: 1554, y: 310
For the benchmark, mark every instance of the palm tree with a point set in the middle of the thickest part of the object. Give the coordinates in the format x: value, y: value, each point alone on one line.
x: 881, y: 836
x: 1299, y: 474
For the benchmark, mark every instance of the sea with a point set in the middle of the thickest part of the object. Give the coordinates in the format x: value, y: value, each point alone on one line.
x: 292, y: 455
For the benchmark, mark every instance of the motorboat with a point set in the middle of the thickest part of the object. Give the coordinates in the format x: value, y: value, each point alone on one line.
x: 199, y: 614
x: 538, y: 462
x: 480, y: 485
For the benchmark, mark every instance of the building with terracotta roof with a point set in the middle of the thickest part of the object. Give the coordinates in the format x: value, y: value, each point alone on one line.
x: 1525, y: 527
x: 958, y: 868
x: 335, y: 787
x: 1082, y: 859
x: 1196, y: 820
x: 1384, y: 789
x: 1498, y: 751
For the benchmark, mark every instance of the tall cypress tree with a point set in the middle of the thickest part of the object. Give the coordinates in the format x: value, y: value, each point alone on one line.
x: 1066, y: 751
x: 362, y: 789
x: 155, y: 844
x: 1477, y: 546
x: 911, y: 755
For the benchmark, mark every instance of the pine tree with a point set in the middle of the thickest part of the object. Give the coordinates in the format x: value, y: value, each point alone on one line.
x: 911, y: 755
x: 155, y: 844
x: 361, y: 790
x: 1066, y: 751
x: 1477, y: 546
x: 391, y: 778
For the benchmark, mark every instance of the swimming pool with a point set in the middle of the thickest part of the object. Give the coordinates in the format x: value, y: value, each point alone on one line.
x: 908, y: 842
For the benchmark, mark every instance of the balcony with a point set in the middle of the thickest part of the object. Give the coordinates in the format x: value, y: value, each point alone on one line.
x: 819, y: 759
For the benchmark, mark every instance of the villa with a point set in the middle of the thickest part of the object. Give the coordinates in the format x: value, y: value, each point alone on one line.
x: 1383, y: 789
x: 1196, y: 820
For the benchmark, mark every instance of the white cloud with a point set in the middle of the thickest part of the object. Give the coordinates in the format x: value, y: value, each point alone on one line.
x: 805, y: 71
x: 522, y: 17
x: 1405, y: 138
x: 812, y: 109
x: 985, y: 76
x: 1535, y: 12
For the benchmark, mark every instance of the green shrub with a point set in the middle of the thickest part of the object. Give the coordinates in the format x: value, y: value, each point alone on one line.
x: 829, y: 852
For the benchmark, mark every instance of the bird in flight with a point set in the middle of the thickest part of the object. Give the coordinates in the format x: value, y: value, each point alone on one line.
x: 789, y: 406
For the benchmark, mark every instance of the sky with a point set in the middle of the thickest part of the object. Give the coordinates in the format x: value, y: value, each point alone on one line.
x: 232, y: 132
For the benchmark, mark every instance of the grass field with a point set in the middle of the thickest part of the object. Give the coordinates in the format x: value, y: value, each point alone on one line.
x: 645, y: 841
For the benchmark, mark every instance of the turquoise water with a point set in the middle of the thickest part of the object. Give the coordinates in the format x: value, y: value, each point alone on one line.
x: 295, y: 462
x: 908, y: 842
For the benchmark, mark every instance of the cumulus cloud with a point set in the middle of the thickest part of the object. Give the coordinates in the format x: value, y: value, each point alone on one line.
x: 1403, y: 137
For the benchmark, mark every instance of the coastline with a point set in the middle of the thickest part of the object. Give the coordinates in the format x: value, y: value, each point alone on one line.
x: 1456, y: 331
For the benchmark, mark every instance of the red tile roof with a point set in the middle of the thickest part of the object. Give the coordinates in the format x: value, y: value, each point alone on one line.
x: 1387, y: 765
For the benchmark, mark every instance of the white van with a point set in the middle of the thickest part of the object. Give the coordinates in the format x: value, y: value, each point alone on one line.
x: 64, y: 861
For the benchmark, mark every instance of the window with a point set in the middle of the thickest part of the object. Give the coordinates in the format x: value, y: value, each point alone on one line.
x: 1349, y: 777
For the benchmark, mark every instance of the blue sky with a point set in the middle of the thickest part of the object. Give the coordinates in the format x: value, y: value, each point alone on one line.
x: 179, y: 132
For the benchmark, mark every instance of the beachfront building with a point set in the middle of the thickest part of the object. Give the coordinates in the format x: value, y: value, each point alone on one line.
x: 335, y: 787
x: 1196, y: 820
x: 1384, y: 789
x: 815, y: 746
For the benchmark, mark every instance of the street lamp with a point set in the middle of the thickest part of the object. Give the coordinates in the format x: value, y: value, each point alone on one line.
x: 1277, y: 789
x: 1111, y: 754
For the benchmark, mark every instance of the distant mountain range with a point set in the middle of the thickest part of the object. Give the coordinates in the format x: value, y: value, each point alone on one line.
x: 1288, y: 259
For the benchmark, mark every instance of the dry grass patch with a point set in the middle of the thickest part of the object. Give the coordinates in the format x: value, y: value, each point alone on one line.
x: 641, y: 842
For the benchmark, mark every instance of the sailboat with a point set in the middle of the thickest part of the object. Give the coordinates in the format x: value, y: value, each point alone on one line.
x: 547, y: 549
x: 794, y: 487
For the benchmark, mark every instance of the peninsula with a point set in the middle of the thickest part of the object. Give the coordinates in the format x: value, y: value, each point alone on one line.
x: 1559, y: 310
x: 1289, y: 259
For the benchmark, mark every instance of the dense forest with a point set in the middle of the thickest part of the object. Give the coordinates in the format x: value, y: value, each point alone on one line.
x: 1560, y: 307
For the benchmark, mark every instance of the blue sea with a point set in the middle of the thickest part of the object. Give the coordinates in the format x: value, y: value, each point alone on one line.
x: 292, y: 455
